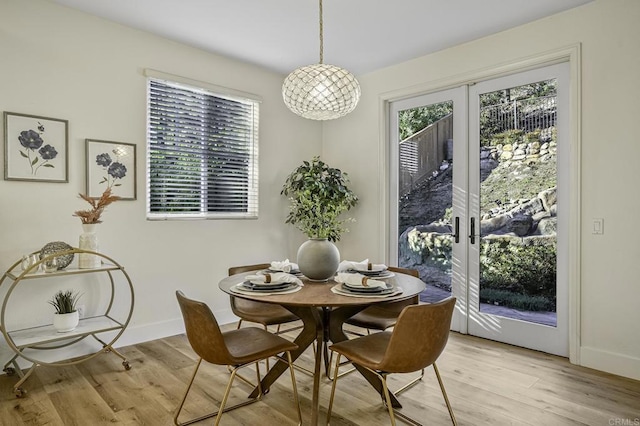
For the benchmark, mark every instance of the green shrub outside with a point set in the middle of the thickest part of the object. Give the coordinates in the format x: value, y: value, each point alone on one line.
x: 528, y: 269
x: 517, y: 301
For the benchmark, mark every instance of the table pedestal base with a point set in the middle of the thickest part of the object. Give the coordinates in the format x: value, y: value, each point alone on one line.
x: 322, y: 326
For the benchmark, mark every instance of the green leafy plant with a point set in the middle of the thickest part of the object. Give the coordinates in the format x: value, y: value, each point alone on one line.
x: 65, y: 302
x: 516, y: 301
x: 524, y: 269
x: 318, y: 195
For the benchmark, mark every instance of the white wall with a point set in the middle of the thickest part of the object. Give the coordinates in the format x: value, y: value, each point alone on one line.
x: 60, y: 63
x: 610, y: 40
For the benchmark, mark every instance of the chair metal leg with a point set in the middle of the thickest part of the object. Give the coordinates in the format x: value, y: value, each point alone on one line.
x: 393, y: 413
x: 444, y: 394
x: 244, y: 379
x: 295, y: 388
x: 333, y: 389
x: 344, y: 373
x: 222, y: 408
x: 387, y: 398
x: 410, y: 384
x: 297, y: 367
x: 267, y: 360
x: 184, y: 398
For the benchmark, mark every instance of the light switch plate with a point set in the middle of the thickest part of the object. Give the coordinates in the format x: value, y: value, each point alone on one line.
x: 598, y: 226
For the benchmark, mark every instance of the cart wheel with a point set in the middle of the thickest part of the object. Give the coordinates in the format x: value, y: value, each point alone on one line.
x: 9, y: 371
x: 20, y: 392
x: 126, y: 365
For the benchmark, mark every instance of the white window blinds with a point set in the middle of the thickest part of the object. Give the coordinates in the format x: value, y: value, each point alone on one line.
x: 202, y: 156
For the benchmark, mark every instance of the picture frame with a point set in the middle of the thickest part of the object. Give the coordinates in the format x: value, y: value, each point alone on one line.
x: 111, y: 164
x: 36, y: 148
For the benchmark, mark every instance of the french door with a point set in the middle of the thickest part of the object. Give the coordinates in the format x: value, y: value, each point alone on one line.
x: 478, y: 203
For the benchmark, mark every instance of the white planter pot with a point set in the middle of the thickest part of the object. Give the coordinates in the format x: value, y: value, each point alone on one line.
x: 318, y: 259
x: 66, y: 322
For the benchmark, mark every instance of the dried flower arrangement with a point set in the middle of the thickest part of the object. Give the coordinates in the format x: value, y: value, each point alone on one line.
x: 97, y: 206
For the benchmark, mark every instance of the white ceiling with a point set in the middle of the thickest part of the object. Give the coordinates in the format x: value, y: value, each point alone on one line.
x: 359, y: 35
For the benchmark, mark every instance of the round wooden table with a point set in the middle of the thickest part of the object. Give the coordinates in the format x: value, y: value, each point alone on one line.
x: 323, y: 314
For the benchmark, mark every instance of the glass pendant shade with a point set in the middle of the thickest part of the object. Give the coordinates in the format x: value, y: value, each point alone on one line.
x: 321, y: 92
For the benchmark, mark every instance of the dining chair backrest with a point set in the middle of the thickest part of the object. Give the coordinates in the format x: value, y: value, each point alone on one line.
x: 243, y: 307
x: 203, y: 331
x: 246, y: 268
x: 406, y: 271
x: 419, y: 337
x: 398, y: 306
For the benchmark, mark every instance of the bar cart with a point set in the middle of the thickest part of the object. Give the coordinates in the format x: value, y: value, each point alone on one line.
x: 27, y: 343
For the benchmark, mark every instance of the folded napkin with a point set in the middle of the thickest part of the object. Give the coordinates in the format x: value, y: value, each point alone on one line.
x: 273, y: 278
x: 365, y: 265
x: 284, y: 266
x: 358, y: 280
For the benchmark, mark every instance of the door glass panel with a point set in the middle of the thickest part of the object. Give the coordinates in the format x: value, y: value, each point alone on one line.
x: 425, y: 183
x: 518, y: 208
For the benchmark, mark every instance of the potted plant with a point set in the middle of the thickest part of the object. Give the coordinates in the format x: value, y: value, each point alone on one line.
x: 318, y: 195
x: 90, y: 218
x: 66, y: 317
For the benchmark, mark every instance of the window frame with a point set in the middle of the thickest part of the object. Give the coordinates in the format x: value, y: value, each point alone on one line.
x: 224, y: 94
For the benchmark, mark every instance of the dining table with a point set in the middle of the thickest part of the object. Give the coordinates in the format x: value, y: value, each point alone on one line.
x: 323, y: 312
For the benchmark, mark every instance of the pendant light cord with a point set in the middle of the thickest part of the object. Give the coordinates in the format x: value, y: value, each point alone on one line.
x: 321, y: 31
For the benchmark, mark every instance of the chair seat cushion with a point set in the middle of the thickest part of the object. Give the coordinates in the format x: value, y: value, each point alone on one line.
x: 374, y: 319
x: 250, y: 344
x: 381, y: 315
x: 262, y: 313
x: 367, y: 350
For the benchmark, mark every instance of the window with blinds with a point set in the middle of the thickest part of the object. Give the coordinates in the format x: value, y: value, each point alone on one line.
x: 202, y: 153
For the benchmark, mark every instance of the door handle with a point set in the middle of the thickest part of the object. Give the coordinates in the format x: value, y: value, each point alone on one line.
x: 473, y: 230
x: 456, y: 229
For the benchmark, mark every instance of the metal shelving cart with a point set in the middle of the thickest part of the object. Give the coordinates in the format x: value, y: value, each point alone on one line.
x: 46, y: 337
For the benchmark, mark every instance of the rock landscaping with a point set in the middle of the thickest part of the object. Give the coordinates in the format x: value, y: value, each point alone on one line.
x: 518, y: 222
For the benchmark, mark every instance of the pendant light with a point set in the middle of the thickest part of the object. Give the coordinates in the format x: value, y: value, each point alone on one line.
x: 321, y: 91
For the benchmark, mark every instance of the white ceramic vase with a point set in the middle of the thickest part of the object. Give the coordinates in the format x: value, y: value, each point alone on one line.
x: 318, y: 259
x: 66, y: 322
x: 88, y: 241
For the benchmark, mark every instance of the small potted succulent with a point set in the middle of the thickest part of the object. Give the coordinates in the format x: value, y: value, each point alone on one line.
x: 318, y: 195
x: 66, y: 317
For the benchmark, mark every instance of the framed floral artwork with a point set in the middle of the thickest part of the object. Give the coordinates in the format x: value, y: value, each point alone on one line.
x: 35, y: 148
x: 111, y: 165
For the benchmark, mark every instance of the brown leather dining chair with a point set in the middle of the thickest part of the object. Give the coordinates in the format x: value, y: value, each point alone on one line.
x: 380, y: 316
x: 417, y: 340
x: 262, y: 313
x: 235, y: 348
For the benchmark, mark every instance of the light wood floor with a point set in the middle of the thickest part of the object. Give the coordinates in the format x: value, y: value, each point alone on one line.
x: 488, y: 384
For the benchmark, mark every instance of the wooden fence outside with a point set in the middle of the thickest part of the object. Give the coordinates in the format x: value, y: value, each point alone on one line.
x: 422, y: 153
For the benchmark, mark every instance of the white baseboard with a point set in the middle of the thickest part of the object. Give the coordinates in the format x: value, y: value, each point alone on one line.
x: 610, y: 362
x: 159, y: 330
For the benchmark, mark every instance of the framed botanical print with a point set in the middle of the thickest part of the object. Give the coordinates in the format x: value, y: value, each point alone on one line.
x: 111, y: 165
x: 35, y: 148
